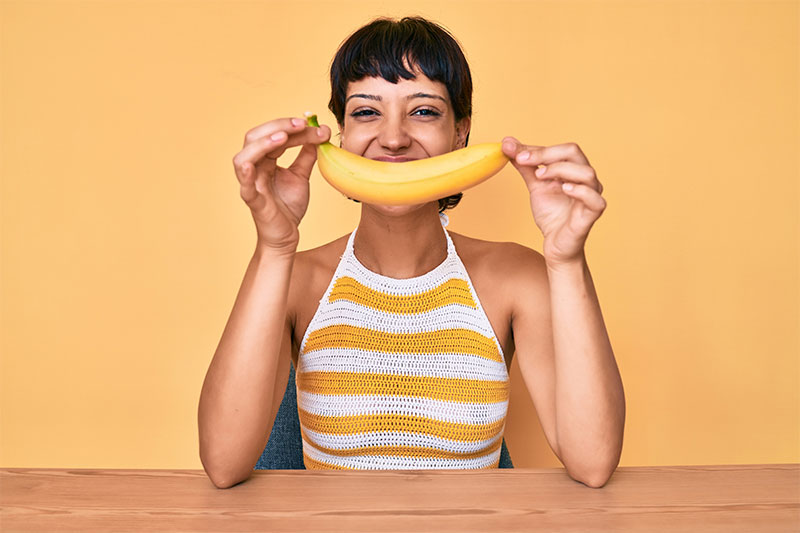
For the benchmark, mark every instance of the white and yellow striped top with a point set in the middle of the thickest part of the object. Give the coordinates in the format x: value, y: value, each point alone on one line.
x: 401, y: 373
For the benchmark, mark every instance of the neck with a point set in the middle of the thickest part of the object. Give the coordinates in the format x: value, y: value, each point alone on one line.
x: 403, y: 246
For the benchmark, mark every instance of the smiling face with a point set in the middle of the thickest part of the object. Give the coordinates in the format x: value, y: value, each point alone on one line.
x: 410, y: 119
x: 403, y: 121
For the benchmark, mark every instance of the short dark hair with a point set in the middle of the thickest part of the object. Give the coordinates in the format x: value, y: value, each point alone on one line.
x: 384, y: 47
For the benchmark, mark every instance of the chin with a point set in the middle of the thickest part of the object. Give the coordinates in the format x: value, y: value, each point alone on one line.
x: 397, y: 209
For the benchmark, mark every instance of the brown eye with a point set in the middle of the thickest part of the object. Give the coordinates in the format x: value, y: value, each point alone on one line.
x: 425, y: 112
x: 363, y: 113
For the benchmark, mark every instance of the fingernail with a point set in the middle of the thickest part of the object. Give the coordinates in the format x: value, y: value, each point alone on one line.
x: 524, y: 156
x: 568, y: 186
x: 508, y: 145
x: 320, y: 132
x: 540, y: 171
x: 277, y: 136
x: 297, y: 122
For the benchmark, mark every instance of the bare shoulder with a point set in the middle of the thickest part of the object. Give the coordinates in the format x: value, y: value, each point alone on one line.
x: 526, y: 262
x: 510, y: 257
x: 520, y: 270
x: 312, y: 269
x: 323, y: 257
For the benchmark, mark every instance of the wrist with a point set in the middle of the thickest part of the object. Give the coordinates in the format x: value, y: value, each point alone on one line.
x: 269, y: 253
x: 559, y: 266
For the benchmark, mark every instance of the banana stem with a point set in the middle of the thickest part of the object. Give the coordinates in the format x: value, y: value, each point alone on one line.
x: 311, y: 119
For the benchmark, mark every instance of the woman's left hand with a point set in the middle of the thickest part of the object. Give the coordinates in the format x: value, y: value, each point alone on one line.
x: 565, y: 195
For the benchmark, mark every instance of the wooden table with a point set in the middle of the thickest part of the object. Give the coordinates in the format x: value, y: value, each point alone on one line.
x: 752, y: 498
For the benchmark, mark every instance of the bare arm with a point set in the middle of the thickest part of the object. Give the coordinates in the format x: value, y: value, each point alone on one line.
x: 235, y: 415
x: 235, y: 412
x: 566, y: 360
x: 591, y: 403
x: 565, y: 346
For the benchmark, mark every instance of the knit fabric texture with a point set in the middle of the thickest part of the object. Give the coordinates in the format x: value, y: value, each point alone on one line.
x: 401, y: 373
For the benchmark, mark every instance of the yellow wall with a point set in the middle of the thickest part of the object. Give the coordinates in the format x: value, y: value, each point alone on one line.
x: 124, y: 239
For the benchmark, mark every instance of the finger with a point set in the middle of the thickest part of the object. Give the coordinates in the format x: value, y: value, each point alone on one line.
x: 545, y: 155
x: 590, y: 197
x: 309, y: 135
x: 267, y: 150
x: 569, y: 172
x: 288, y: 125
x: 248, y: 190
x: 511, y: 147
x: 304, y: 161
x: 254, y: 152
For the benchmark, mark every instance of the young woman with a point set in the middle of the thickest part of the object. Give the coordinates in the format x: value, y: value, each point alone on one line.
x: 401, y: 332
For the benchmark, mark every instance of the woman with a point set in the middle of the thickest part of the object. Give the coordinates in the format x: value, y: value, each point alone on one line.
x: 399, y: 363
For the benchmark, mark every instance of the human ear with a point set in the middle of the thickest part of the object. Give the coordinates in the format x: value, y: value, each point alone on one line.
x: 462, y: 132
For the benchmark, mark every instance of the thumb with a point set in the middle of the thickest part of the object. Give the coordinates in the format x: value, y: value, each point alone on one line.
x: 304, y: 161
x: 511, y: 147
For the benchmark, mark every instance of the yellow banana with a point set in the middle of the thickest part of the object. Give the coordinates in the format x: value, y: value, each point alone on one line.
x: 409, y: 182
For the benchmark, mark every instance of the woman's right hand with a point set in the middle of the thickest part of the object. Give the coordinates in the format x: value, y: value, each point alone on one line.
x: 278, y: 197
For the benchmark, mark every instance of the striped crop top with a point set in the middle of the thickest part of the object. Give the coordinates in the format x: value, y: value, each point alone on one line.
x: 401, y: 373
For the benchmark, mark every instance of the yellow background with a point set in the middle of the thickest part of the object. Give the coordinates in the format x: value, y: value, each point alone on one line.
x: 124, y: 239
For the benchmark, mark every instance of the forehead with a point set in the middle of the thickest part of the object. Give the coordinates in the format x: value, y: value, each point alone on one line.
x: 379, y: 86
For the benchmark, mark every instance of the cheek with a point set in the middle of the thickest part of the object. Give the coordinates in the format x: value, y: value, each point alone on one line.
x: 355, y: 139
x: 439, y: 140
x: 434, y: 138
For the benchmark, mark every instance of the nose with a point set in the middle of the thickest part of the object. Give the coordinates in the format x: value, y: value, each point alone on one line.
x: 393, y: 136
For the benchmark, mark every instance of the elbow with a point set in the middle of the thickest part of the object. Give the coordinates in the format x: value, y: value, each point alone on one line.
x: 223, y: 482
x: 597, y: 481
x: 225, y: 479
x: 221, y: 462
x: 594, y: 473
x: 596, y: 478
x: 221, y: 474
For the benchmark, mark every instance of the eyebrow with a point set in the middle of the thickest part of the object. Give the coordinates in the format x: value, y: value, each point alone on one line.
x: 409, y: 97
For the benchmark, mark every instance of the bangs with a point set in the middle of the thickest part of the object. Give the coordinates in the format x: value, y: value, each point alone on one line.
x: 393, y: 50
x: 389, y: 54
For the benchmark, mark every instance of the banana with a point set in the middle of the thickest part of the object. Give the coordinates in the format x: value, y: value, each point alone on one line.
x: 409, y: 182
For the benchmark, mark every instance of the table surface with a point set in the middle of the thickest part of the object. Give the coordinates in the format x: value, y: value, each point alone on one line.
x: 725, y: 498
